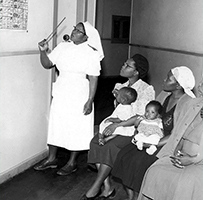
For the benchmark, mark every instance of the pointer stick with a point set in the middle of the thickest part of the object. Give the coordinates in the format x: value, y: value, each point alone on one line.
x: 50, y: 37
x: 52, y: 33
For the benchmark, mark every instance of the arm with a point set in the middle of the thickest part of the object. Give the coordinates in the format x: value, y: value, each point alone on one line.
x: 199, y: 156
x: 113, y: 120
x: 181, y: 159
x: 103, y: 140
x: 135, y: 120
x: 106, y: 139
x: 163, y: 141
x: 44, y: 59
x: 92, y: 90
x: 112, y: 127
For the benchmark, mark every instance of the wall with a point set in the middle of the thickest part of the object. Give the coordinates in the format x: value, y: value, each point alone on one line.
x: 74, y: 11
x: 115, y: 54
x: 66, y: 8
x: 24, y: 92
x: 25, y: 86
x: 169, y: 34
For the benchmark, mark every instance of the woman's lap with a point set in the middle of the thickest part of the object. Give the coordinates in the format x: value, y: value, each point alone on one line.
x: 106, y: 154
x: 168, y: 182
x: 131, y: 165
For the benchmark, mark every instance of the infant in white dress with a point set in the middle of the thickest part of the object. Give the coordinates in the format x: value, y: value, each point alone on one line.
x: 149, y: 127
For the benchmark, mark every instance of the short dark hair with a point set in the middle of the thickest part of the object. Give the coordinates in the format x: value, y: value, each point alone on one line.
x: 157, y: 104
x: 141, y: 64
x: 130, y: 94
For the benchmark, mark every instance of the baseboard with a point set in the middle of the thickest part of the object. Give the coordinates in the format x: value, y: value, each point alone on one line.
x: 5, y: 176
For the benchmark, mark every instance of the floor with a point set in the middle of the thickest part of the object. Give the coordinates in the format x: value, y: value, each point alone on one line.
x: 47, y: 185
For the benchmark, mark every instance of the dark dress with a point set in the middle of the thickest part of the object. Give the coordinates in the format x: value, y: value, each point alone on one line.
x: 106, y: 154
x: 131, y: 163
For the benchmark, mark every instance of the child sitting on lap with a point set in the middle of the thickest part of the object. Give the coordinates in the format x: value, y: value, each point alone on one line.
x: 149, y: 127
x: 125, y: 97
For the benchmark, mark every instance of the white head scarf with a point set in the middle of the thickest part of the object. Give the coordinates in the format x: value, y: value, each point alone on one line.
x: 94, y: 38
x: 185, y: 78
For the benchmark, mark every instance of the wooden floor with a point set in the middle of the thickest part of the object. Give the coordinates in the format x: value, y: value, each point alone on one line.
x: 47, y: 185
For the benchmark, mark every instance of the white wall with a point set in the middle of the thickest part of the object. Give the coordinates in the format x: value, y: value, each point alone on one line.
x: 24, y: 105
x: 169, y: 34
x: 24, y: 92
x: 74, y: 11
x: 66, y: 8
x: 25, y: 86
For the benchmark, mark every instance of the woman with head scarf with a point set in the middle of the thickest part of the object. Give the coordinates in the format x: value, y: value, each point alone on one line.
x: 177, y: 174
x: 131, y: 164
x: 134, y: 69
x: 71, y: 114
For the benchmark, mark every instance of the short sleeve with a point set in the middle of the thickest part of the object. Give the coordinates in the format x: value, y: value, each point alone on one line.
x: 53, y: 56
x: 144, y: 98
x: 123, y: 112
x: 160, y: 124
x: 94, y: 66
x: 148, y: 94
x: 118, y: 86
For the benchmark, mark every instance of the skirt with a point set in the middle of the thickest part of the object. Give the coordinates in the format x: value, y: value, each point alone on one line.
x: 106, y: 154
x: 131, y: 165
x: 165, y: 181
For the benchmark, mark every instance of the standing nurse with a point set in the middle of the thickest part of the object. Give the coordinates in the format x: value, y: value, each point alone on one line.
x: 71, y: 121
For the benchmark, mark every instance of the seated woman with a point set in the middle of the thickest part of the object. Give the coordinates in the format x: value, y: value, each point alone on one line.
x: 179, y: 176
x: 131, y: 163
x: 134, y: 69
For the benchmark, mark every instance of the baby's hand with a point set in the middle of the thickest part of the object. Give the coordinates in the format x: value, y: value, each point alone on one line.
x: 140, y: 117
x: 134, y: 141
x: 43, y: 45
x: 101, y: 142
x: 107, y: 121
x: 115, y: 92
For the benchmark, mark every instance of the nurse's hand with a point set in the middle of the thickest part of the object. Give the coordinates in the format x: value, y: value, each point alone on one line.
x: 43, y: 45
x: 87, y: 108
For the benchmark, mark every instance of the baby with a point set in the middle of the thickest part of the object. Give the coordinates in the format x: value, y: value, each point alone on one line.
x: 149, y: 127
x: 125, y: 97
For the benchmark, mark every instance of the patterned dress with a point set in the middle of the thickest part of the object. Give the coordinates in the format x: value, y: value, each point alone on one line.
x: 107, y: 154
x: 145, y: 93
